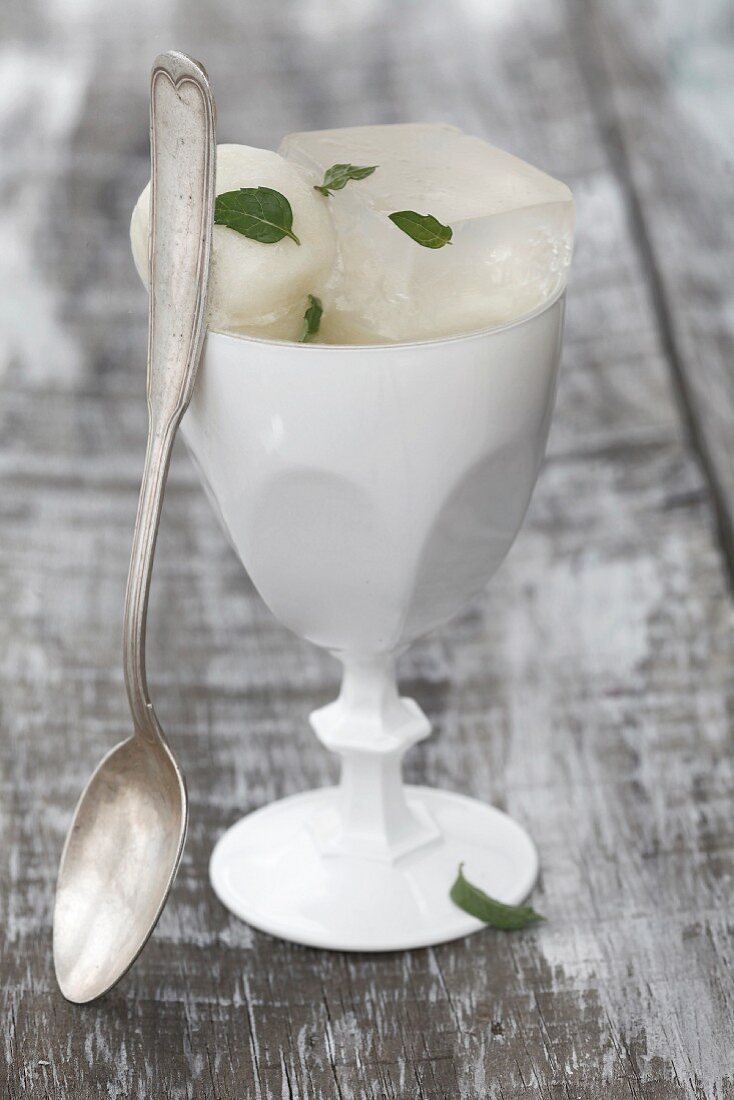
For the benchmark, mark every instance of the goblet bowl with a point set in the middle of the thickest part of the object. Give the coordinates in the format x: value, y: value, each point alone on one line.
x: 370, y: 492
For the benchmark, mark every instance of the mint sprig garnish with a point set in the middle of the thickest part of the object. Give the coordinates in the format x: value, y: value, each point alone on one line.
x: 311, y: 318
x: 259, y: 213
x: 339, y: 175
x: 423, y: 228
x: 495, y: 913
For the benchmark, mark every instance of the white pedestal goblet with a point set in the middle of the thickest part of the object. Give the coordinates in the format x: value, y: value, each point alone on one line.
x: 370, y: 492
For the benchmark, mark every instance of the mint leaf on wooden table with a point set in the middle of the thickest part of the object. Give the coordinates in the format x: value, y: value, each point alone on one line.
x: 423, y: 228
x: 339, y: 175
x: 256, y: 212
x: 494, y: 913
x: 311, y: 318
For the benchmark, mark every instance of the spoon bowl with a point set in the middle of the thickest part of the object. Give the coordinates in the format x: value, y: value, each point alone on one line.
x: 120, y: 859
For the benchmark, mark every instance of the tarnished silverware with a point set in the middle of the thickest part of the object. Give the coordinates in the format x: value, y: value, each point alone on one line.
x: 127, y: 836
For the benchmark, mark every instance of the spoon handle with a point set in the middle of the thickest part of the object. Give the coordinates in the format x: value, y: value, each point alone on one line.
x: 183, y: 154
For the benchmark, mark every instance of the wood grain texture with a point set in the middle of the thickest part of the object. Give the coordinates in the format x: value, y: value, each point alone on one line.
x: 590, y: 692
x: 673, y: 160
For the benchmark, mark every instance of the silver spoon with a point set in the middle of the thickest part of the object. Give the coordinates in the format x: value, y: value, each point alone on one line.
x: 125, y: 842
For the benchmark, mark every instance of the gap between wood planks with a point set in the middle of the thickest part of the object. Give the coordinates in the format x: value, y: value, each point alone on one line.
x: 599, y: 86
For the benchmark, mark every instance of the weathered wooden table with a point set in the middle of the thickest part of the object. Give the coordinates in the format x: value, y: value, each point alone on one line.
x: 590, y: 692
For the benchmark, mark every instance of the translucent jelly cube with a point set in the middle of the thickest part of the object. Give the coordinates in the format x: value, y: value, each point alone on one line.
x: 512, y: 232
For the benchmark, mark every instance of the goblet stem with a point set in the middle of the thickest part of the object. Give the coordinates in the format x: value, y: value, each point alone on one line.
x: 370, y: 726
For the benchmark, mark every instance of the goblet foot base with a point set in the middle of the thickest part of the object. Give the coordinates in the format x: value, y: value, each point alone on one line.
x: 268, y: 870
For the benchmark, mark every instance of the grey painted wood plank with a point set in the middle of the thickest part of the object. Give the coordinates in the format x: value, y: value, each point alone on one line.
x: 590, y: 691
x: 673, y: 159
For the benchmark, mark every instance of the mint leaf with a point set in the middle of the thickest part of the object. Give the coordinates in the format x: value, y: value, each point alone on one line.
x: 311, y: 318
x: 423, y: 228
x: 495, y: 913
x: 256, y: 212
x: 339, y: 175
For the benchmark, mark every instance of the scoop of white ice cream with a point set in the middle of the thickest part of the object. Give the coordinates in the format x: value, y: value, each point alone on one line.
x: 254, y: 288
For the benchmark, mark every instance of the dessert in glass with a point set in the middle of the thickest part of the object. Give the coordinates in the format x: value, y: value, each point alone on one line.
x: 369, y: 420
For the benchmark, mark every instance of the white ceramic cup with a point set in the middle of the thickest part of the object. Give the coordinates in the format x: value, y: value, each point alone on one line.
x: 370, y: 492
